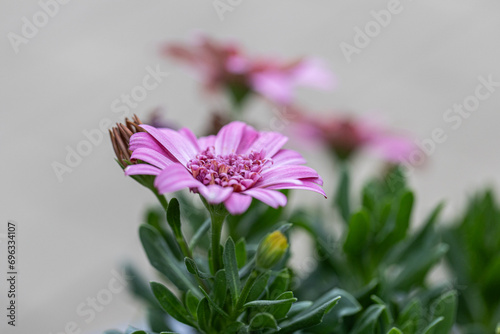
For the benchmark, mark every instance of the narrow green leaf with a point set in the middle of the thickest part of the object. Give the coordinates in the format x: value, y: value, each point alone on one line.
x: 263, y: 320
x: 169, y: 302
x: 193, y: 269
x: 359, y: 229
x: 432, y: 325
x: 204, y: 315
x: 299, y: 307
x: 366, y: 323
x: 231, y: 268
x: 394, y: 330
x: 280, y: 284
x: 191, y: 302
x: 214, y: 305
x: 309, y: 317
x: 280, y: 311
x: 241, y: 253
x: 220, y: 287
x: 445, y: 306
x: 265, y: 303
x: 258, y: 287
x: 174, y: 216
x: 160, y: 258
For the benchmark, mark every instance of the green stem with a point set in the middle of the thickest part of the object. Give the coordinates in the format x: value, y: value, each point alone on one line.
x: 217, y: 223
x: 246, y: 290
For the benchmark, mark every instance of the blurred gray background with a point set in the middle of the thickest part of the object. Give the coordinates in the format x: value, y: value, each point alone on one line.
x: 64, y: 77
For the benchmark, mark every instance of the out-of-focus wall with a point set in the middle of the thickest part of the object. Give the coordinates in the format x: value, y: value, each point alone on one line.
x: 62, y: 81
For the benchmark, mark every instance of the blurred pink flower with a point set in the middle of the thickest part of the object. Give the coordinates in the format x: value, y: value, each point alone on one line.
x: 222, y: 65
x: 232, y: 167
x: 345, y: 136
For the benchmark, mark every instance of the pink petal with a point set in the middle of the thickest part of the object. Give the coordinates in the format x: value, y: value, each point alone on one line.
x: 306, y: 185
x: 269, y: 142
x: 142, y: 169
x: 215, y: 194
x: 237, y: 203
x: 174, y: 178
x: 274, y: 85
x: 288, y: 157
x: 229, y: 137
x: 272, y: 198
x: 152, y: 157
x: 175, y: 143
x: 247, y: 139
x: 190, y: 136
x: 287, y: 174
x: 312, y: 72
x: 144, y: 139
x: 392, y: 148
x: 206, y: 142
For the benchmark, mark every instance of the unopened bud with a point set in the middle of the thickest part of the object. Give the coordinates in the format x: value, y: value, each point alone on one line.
x: 271, y: 250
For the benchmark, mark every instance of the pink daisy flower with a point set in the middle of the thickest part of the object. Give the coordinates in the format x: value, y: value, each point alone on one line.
x: 345, y: 136
x: 224, y: 65
x: 232, y: 167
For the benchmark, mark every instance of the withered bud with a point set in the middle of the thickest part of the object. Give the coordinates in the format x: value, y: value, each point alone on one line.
x: 120, y: 138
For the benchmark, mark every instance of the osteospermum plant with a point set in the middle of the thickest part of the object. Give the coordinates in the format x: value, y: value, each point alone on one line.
x: 234, y: 287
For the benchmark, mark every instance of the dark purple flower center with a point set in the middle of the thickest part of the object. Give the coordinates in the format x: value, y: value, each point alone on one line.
x: 240, y: 171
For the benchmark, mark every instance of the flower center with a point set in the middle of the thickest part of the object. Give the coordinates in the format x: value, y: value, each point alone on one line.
x: 240, y: 171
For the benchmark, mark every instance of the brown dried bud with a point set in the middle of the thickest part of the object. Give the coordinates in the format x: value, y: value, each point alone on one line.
x: 120, y: 137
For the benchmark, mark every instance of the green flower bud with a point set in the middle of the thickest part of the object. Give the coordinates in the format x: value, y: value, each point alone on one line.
x: 271, y: 250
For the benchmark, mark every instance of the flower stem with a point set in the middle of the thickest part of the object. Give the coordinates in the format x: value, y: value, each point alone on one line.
x: 217, y: 223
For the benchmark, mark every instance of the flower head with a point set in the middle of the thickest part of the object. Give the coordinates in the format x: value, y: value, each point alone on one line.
x: 232, y: 167
x: 346, y: 136
x: 224, y: 65
x: 271, y: 250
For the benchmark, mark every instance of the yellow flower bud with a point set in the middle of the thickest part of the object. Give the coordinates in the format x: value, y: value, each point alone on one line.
x: 271, y: 250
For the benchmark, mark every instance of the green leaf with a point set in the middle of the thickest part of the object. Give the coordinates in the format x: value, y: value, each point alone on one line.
x: 432, y: 325
x: 263, y: 320
x: 266, y: 303
x: 214, y: 305
x: 403, y: 217
x: 445, y: 306
x: 280, y: 284
x: 174, y: 216
x: 161, y: 259
x: 204, y: 315
x: 299, y: 307
x: 280, y: 311
x: 231, y: 268
x: 169, y: 302
x: 258, y: 287
x: 220, y: 287
x: 359, y: 229
x: 191, y: 302
x: 236, y: 327
x: 241, y: 253
x: 366, y: 323
x: 309, y: 317
x: 342, y: 194
x: 193, y: 269
x: 394, y: 330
